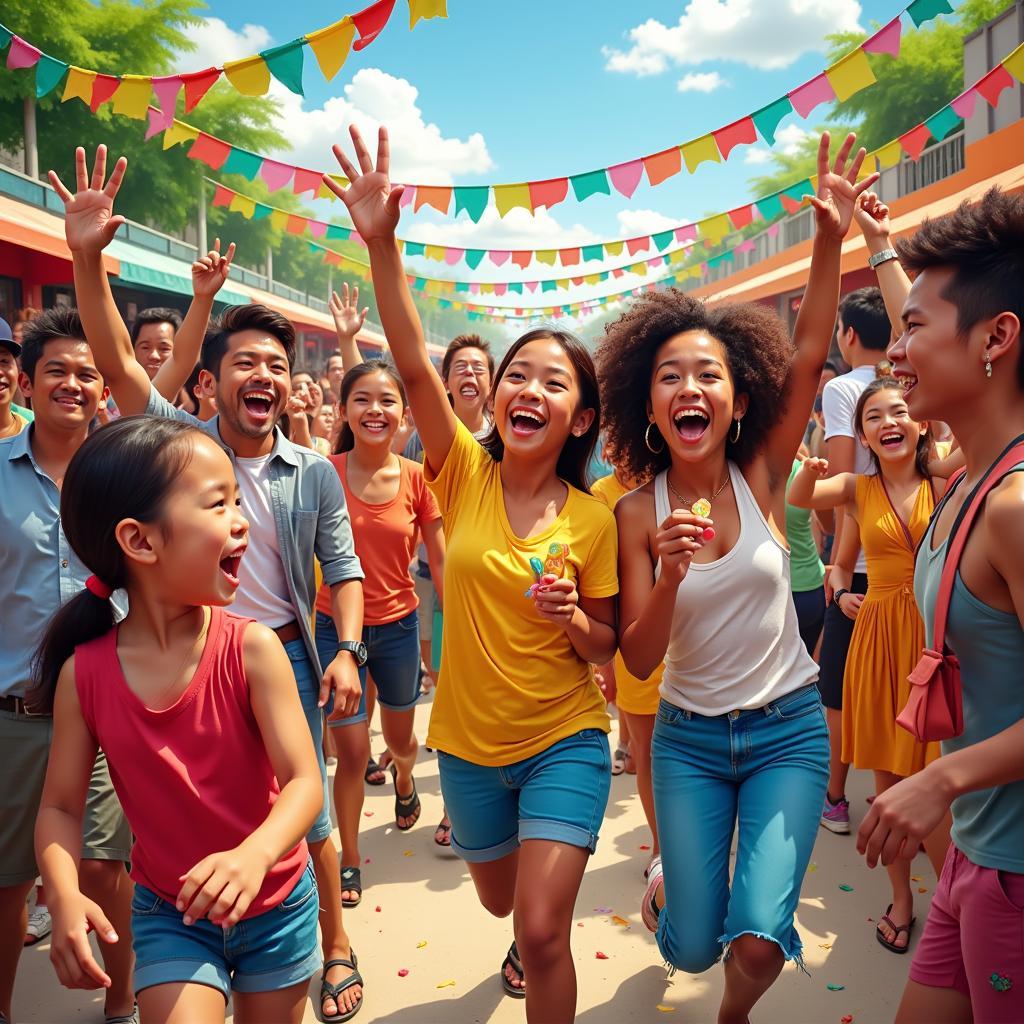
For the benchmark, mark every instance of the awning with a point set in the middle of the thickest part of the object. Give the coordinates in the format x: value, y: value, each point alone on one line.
x: 147, y: 269
x: 40, y: 231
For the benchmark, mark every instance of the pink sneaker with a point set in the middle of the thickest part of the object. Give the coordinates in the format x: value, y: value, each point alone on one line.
x: 836, y: 816
x: 648, y: 909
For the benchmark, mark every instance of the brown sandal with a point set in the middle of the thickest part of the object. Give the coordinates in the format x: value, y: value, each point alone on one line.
x: 891, y: 944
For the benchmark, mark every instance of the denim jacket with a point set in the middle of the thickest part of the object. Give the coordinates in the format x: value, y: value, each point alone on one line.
x: 310, y: 516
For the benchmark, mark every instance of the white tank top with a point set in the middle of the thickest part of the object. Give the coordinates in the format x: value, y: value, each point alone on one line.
x: 735, y: 642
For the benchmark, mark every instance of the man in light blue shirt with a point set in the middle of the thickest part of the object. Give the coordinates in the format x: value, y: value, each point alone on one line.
x: 40, y: 572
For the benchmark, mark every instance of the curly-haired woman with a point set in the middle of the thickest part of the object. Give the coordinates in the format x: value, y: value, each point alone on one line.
x: 704, y: 577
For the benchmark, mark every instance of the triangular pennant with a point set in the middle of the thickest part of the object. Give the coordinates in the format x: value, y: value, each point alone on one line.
x: 699, y: 151
x: 766, y: 120
x: 370, y: 22
x: 285, y: 63
x: 78, y: 85
x: 250, y: 76
x: 474, y: 257
x: 331, y: 46
x: 197, y: 85
x: 473, y: 200
x: 22, y: 54
x: 625, y: 177
x: 885, y: 40
x: 179, y: 132
x: 49, y: 74
x: 915, y: 140
x: 426, y: 9
x: 103, y: 89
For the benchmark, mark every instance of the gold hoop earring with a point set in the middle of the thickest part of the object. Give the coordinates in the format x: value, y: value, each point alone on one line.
x: 739, y: 427
x: 647, y: 441
x: 988, y: 368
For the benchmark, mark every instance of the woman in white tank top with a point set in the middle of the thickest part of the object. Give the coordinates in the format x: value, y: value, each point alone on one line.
x: 740, y: 735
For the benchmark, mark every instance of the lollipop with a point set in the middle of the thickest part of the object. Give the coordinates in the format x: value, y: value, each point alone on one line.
x: 538, y: 570
x: 701, y: 507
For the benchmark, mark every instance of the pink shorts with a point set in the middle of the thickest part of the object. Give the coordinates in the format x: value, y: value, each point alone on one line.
x: 973, y: 940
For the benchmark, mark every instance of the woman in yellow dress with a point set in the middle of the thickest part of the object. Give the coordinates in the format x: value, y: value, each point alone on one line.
x: 892, y: 508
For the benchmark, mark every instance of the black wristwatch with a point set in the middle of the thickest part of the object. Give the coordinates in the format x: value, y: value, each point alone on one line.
x: 837, y: 596
x: 356, y: 648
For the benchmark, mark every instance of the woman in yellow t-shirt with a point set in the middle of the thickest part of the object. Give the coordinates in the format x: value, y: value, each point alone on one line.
x: 530, y: 582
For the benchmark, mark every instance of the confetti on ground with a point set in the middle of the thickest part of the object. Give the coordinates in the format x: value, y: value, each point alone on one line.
x: 812, y: 867
x: 377, y: 910
x: 824, y: 945
x: 367, y: 861
x: 447, y: 984
x: 871, y: 920
x: 662, y: 1008
x: 579, y: 924
x: 835, y: 988
x: 915, y: 878
x: 421, y: 943
x: 644, y: 846
x: 921, y: 889
x: 848, y: 1019
x: 407, y: 853
x: 620, y: 920
x: 404, y: 972
x: 602, y: 910
x: 367, y: 814
x: 600, y: 956
x: 846, y: 888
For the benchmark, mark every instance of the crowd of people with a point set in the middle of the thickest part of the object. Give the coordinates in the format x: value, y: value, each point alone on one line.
x: 217, y: 558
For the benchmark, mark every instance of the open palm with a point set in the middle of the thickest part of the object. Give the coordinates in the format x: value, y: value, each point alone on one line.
x: 348, y: 319
x: 838, y: 188
x: 371, y: 200
x: 89, y: 219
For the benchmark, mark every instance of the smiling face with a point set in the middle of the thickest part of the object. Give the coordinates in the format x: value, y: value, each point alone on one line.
x: 253, y: 383
x: 886, y: 428
x: 536, y: 402
x: 66, y: 388
x: 8, y: 376
x: 153, y: 346
x: 335, y: 373
x: 468, y: 381
x: 693, y: 400
x: 373, y: 409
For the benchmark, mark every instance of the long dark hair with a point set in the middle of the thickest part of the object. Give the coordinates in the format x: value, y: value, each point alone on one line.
x: 886, y: 382
x: 124, y: 471
x: 577, y: 453
x: 346, y: 439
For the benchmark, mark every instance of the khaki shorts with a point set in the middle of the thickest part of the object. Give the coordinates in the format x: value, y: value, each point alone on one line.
x: 24, y: 753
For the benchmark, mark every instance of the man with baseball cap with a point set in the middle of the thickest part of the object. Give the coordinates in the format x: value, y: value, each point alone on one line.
x: 13, y: 418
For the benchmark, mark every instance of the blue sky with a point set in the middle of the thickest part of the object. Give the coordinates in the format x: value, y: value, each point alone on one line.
x: 514, y: 91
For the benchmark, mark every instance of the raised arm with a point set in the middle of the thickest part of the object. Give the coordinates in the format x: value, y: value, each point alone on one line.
x: 209, y: 273
x: 374, y: 208
x: 89, y: 226
x: 834, y: 203
x: 873, y: 220
x: 348, y: 321
x: 811, y: 489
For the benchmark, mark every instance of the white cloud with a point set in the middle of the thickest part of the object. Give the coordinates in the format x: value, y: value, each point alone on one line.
x: 764, y: 34
x: 216, y: 42
x: 700, y: 81
x: 757, y: 156
x: 633, y: 223
x: 787, y: 140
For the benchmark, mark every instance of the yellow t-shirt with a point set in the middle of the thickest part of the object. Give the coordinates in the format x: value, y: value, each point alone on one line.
x: 511, y: 684
x: 634, y: 695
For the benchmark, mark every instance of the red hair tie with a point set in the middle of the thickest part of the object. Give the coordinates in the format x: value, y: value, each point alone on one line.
x: 96, y: 586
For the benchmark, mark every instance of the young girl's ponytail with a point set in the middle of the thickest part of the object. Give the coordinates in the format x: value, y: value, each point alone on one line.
x: 122, y: 471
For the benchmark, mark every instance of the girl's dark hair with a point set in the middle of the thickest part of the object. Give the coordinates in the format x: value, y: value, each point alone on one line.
x: 884, y: 381
x: 123, y: 471
x: 578, y: 452
x: 757, y: 349
x: 346, y: 439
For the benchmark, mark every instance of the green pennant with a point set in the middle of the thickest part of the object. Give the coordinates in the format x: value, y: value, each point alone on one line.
x: 472, y: 199
x: 725, y: 257
x: 770, y: 207
x: 663, y: 239
x: 593, y: 183
x: 549, y: 286
x: 49, y: 74
x: 336, y: 231
x: 5, y: 36
x: 420, y: 283
x: 414, y: 248
x: 285, y: 63
x: 921, y: 11
x: 516, y: 287
x: 241, y: 161
x: 261, y: 210
x: 592, y: 252
x: 444, y: 303
x: 766, y: 120
x: 474, y: 257
x: 799, y: 190
x: 944, y: 122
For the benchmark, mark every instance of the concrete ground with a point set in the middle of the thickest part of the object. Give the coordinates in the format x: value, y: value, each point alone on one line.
x: 419, y: 913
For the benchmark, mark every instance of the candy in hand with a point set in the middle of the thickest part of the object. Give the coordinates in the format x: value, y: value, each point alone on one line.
x: 709, y: 533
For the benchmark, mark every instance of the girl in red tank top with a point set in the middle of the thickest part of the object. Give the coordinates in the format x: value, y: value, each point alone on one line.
x: 200, y: 720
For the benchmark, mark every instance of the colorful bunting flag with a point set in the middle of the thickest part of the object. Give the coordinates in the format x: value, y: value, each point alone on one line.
x: 426, y: 9
x: 850, y: 75
x: 700, y: 150
x: 285, y: 63
x: 50, y: 73
x: 944, y: 122
x: 331, y: 46
x: 132, y: 96
x: 22, y: 54
x: 886, y: 40
x: 250, y: 76
x: 663, y: 165
x: 811, y: 94
x: 914, y: 141
x: 739, y: 133
x: 921, y: 11
x: 767, y: 119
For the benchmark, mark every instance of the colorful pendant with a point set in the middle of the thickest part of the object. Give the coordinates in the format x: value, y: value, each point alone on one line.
x: 701, y: 507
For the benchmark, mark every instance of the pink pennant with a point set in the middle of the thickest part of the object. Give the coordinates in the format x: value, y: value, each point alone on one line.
x: 965, y: 103
x: 474, y: 288
x: 993, y: 84
x: 811, y: 94
x: 656, y: 262
x: 317, y: 228
x: 166, y: 91
x: 408, y: 195
x: 773, y: 230
x: 155, y: 123
x: 499, y: 256
x: 275, y: 174
x: 635, y: 245
x: 885, y: 40
x: 625, y: 177
x: 501, y: 288
x: 306, y: 181
x: 748, y: 246
x: 22, y: 54
x: 531, y: 286
x: 687, y: 233
x: 357, y: 239
x: 452, y: 255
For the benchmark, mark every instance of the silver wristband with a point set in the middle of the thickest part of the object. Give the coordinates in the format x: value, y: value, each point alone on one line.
x: 882, y: 257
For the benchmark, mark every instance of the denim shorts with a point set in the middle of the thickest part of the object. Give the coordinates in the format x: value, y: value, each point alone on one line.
x: 273, y: 950
x: 559, y: 794
x: 393, y: 659
x: 309, y: 694
x: 764, y: 771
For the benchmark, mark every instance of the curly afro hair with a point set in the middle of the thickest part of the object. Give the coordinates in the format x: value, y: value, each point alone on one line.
x: 757, y: 349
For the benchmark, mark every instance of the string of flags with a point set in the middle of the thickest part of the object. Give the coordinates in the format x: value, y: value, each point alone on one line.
x: 839, y: 81
x: 133, y: 94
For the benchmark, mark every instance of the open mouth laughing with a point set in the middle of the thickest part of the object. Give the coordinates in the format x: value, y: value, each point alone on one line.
x: 690, y: 423
x: 891, y: 439
x: 258, y: 402
x: 230, y: 564
x: 526, y: 422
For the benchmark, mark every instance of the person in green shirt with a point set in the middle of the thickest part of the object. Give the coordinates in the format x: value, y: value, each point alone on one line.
x: 13, y: 418
x: 807, y: 573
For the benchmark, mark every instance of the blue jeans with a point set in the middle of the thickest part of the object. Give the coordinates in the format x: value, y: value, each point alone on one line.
x: 766, y: 769
x: 309, y: 695
x: 273, y: 950
x: 559, y: 794
x: 393, y: 659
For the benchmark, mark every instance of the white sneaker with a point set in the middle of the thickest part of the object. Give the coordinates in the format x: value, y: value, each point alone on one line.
x: 39, y: 926
x: 649, y: 912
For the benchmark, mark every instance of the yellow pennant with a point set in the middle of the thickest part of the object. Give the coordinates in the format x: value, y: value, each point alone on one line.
x: 697, y: 152
x: 132, y: 96
x: 546, y: 256
x: 613, y: 248
x: 714, y: 229
x: 508, y: 197
x: 179, y: 132
x: 331, y: 46
x: 426, y: 9
x: 889, y: 156
x: 850, y: 75
x: 243, y: 205
x: 250, y: 76
x: 78, y: 85
x: 279, y: 220
x: 434, y: 252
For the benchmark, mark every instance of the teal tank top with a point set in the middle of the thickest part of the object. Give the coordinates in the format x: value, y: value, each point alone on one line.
x: 988, y: 824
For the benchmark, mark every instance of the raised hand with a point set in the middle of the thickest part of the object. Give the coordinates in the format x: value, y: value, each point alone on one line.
x: 371, y: 199
x: 838, y: 188
x: 816, y: 467
x: 89, y: 219
x: 348, y: 318
x: 209, y: 272
x: 872, y: 216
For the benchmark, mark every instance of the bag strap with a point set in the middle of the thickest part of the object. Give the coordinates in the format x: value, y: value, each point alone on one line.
x: 1012, y: 456
x: 896, y: 512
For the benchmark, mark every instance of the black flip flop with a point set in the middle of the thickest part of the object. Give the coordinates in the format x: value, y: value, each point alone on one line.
x: 512, y: 960
x: 329, y: 991
x: 371, y: 769
x: 352, y: 879
x: 908, y: 928
x: 405, y: 806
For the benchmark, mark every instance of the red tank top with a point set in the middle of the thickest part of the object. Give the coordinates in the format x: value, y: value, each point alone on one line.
x: 195, y: 778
